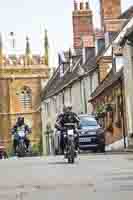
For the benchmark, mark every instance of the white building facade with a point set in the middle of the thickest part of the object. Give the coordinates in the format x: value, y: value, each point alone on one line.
x: 81, y: 82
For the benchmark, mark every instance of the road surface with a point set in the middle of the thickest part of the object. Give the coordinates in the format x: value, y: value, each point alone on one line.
x: 91, y: 177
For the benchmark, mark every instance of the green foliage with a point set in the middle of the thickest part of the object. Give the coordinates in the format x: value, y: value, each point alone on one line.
x: 37, y: 149
x: 48, y: 129
x: 100, y: 109
x: 10, y: 150
x: 109, y: 108
x: 40, y: 145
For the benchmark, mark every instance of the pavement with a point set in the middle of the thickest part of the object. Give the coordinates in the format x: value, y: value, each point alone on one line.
x: 93, y: 176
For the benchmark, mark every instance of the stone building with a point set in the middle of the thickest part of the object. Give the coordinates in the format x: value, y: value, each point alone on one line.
x: 21, y: 80
x: 109, y: 107
x: 126, y: 43
x: 76, y: 76
x: 94, y: 61
x: 114, y: 90
x: 74, y: 87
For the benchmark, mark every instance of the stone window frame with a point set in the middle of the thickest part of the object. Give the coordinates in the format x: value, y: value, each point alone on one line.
x: 25, y: 97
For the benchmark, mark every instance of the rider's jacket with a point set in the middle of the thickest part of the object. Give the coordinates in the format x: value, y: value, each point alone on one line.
x: 68, y: 118
x: 23, y: 128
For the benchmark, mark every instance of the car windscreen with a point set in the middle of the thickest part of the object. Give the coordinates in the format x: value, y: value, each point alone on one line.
x: 87, y: 122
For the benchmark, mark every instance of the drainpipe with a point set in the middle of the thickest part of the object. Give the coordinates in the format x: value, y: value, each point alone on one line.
x: 84, y: 96
x: 123, y: 117
x: 81, y: 96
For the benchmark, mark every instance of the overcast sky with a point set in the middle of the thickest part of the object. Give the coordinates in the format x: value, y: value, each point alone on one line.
x: 28, y: 17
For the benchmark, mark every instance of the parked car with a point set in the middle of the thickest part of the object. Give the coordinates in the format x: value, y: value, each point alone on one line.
x: 91, y: 135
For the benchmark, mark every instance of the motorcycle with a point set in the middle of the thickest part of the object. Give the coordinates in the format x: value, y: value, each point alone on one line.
x: 21, y: 147
x: 70, y: 145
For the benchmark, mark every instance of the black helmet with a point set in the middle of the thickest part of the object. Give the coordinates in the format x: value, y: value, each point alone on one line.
x: 20, y: 121
x: 67, y: 108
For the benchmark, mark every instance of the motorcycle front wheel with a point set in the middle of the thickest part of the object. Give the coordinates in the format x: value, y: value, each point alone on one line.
x: 21, y: 150
x: 71, y: 154
x: 71, y: 160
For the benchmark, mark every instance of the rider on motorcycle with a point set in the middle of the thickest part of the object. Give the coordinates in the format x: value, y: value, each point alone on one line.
x: 20, y: 126
x: 64, y: 118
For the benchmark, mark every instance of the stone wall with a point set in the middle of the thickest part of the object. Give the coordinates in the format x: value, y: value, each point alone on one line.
x: 4, y: 108
x: 11, y: 107
x: 128, y: 78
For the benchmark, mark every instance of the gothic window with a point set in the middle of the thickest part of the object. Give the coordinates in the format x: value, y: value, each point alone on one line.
x: 26, y: 97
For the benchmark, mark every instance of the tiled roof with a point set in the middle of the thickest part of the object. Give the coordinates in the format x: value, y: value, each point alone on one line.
x: 57, y: 84
x: 127, y: 14
x: 111, y: 79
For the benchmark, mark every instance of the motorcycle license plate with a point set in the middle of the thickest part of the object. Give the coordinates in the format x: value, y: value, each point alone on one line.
x: 21, y: 133
x: 70, y: 132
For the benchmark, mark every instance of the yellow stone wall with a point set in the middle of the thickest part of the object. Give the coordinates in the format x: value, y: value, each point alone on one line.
x: 4, y: 108
x: 11, y: 106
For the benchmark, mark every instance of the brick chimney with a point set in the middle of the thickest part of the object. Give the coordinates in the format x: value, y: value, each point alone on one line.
x: 110, y: 12
x: 82, y: 24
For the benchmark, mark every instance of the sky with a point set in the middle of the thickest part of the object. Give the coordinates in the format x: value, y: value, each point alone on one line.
x: 30, y: 18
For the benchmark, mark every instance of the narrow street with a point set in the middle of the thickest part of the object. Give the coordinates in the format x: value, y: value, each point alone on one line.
x: 92, y: 176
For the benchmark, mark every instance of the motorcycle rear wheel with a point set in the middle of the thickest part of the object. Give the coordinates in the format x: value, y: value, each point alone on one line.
x: 21, y: 150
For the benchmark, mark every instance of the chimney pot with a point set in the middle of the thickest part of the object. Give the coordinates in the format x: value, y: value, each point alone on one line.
x: 81, y: 6
x: 87, y: 5
x: 75, y: 5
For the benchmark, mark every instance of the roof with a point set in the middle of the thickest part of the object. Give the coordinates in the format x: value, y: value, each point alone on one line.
x: 56, y: 84
x: 127, y: 14
x: 111, y: 79
x: 20, y: 59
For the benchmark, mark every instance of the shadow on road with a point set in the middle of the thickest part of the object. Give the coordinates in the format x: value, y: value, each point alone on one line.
x: 60, y: 163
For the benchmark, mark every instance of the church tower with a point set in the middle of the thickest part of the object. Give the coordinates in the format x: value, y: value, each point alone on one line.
x: 82, y: 25
x: 110, y: 12
x: 20, y: 91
